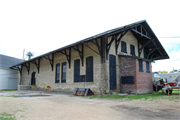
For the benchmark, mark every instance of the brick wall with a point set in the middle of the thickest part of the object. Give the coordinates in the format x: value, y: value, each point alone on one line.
x: 143, y: 81
x: 128, y: 68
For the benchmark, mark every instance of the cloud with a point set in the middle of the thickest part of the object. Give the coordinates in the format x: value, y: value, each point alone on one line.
x: 170, y: 44
x: 169, y: 64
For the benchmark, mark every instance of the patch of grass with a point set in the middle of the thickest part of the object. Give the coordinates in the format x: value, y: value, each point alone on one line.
x: 2, y: 118
x: 9, y: 90
x: 8, y: 96
x: 153, y: 96
x: 174, y: 92
x: 6, y: 116
x: 11, y: 96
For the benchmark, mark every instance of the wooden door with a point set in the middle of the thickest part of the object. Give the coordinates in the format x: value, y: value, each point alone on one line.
x: 33, y: 78
x: 77, y: 70
x: 89, y: 69
x: 112, y: 72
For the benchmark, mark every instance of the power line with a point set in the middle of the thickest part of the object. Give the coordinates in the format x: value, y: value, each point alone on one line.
x: 170, y: 37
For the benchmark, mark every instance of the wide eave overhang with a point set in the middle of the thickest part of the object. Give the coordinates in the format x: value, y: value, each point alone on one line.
x: 141, y: 30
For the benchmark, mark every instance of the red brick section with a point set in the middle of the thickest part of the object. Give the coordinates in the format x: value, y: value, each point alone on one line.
x: 143, y: 81
x: 128, y: 68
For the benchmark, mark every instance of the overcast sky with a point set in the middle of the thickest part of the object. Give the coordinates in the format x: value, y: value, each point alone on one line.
x: 41, y: 26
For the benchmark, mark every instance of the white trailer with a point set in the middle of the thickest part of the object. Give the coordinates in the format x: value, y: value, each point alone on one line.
x: 172, y: 78
x: 167, y: 82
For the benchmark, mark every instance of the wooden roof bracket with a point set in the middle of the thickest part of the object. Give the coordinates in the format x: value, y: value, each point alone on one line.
x: 108, y: 45
x: 141, y: 49
x: 51, y: 60
x: 81, y: 52
x: 142, y: 31
x: 146, y: 35
x: 100, y: 47
x: 37, y: 64
x: 27, y: 66
x: 68, y: 56
x: 114, y: 37
x: 18, y: 67
x: 119, y: 40
x: 151, y: 51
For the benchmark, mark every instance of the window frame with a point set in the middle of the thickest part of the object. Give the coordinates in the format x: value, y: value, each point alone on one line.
x: 57, y: 65
x: 62, y: 73
x: 89, y: 65
x: 79, y: 70
x: 141, y: 66
x: 132, y: 47
x: 125, y: 47
x: 147, y: 67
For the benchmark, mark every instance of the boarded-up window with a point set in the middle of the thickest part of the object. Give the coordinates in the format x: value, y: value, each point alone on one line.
x: 77, y: 70
x: 57, y: 73
x: 63, y: 76
x: 123, y: 47
x: 89, y: 69
x: 132, y: 49
x: 147, y: 67
x: 140, y: 66
x: 127, y: 79
x: 112, y: 72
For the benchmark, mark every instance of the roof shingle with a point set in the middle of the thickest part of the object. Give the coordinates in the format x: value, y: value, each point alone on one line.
x: 7, y: 61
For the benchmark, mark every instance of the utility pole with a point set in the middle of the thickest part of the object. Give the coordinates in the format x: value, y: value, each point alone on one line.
x: 23, y: 54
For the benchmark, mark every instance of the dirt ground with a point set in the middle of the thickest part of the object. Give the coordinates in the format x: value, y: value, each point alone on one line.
x: 67, y: 107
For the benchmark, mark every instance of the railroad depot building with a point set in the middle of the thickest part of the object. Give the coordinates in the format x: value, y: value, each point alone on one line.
x: 118, y: 60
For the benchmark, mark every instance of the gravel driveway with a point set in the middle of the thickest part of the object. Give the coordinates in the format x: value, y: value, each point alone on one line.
x: 38, y: 105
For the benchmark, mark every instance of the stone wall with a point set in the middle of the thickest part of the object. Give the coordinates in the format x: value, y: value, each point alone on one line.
x: 46, y: 77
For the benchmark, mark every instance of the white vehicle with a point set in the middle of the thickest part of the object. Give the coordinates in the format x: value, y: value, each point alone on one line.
x: 167, y: 81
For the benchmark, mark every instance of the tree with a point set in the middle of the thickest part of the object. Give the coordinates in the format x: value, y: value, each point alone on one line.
x: 174, y: 71
x: 162, y: 71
